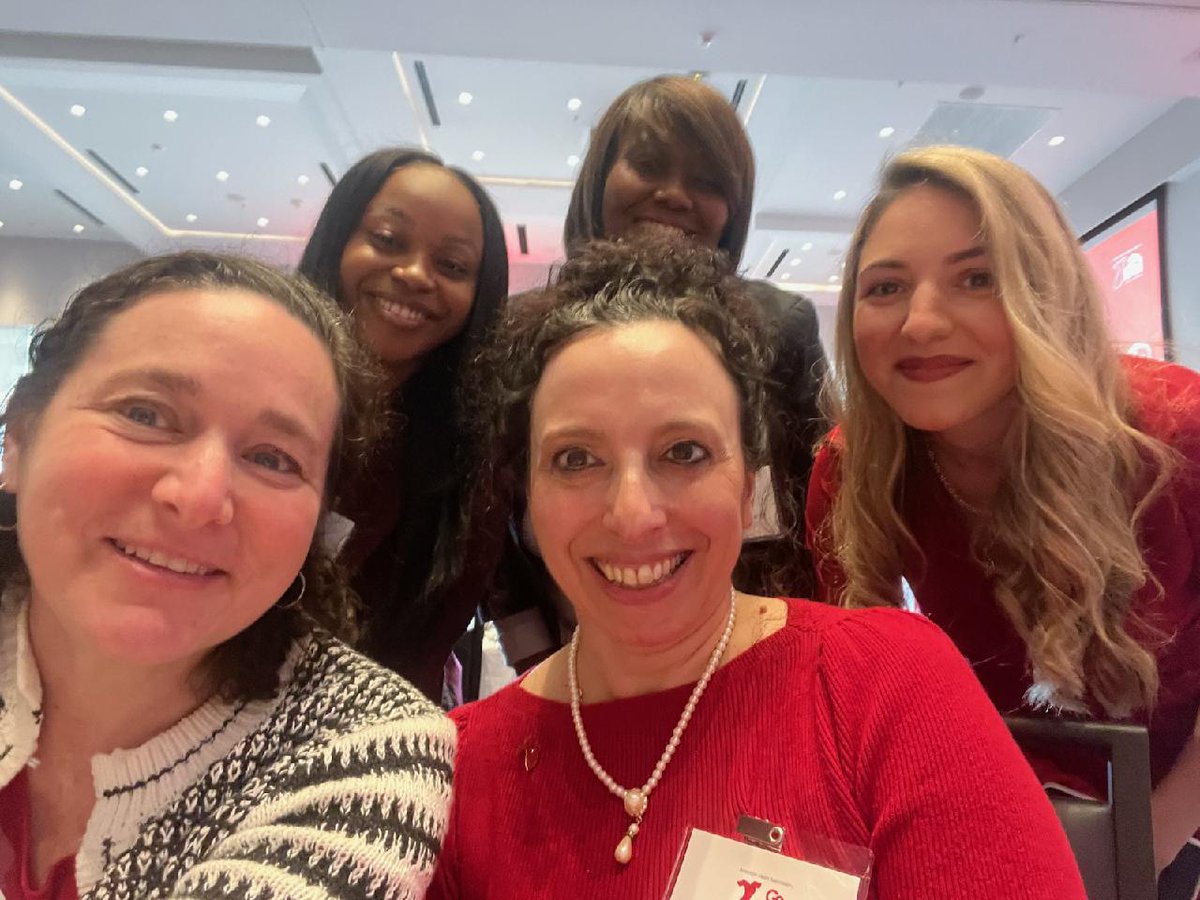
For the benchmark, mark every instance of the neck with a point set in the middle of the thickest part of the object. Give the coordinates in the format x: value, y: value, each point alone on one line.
x: 93, y: 705
x: 608, y: 668
x: 971, y: 456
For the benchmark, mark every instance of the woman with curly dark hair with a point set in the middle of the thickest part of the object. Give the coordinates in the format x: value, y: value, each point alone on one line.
x: 670, y: 157
x: 178, y: 717
x: 629, y: 401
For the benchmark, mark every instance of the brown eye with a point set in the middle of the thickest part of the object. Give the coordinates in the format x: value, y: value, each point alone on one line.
x: 687, y: 453
x: 574, y: 459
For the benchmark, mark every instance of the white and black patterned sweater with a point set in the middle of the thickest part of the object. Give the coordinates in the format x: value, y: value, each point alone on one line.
x: 339, y: 787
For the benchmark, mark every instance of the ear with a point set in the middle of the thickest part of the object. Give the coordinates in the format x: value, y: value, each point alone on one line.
x: 13, y: 441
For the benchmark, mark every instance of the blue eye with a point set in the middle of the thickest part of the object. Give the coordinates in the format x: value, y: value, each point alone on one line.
x: 274, y: 460
x: 142, y: 415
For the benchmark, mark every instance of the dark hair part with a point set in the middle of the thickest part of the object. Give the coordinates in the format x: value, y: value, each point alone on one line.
x: 608, y: 284
x: 246, y: 666
x: 674, y: 111
x: 424, y: 553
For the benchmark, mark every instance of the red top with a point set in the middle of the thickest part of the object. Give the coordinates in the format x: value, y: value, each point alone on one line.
x: 953, y: 591
x: 843, y: 724
x: 16, y: 877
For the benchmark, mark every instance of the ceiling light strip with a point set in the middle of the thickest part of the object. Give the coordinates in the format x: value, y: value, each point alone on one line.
x: 58, y: 140
x: 103, y: 177
x: 758, y: 89
x: 412, y: 103
x: 507, y: 181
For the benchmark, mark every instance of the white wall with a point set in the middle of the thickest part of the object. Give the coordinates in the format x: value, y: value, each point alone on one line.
x: 38, y: 275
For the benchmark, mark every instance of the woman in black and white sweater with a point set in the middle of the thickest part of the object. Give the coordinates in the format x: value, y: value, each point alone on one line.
x: 177, y: 718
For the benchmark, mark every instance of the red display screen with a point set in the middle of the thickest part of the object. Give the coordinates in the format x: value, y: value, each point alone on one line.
x: 1127, y: 261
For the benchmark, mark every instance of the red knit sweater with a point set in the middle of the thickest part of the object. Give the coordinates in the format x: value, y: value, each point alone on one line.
x: 953, y: 591
x: 866, y: 727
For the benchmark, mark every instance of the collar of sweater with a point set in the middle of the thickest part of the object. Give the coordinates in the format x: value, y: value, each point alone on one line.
x: 131, y: 784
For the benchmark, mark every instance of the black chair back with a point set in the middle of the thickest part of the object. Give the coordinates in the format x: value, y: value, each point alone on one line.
x: 1112, y: 838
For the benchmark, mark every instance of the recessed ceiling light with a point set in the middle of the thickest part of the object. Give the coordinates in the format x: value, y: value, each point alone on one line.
x: 465, y: 98
x: 572, y: 160
x: 142, y: 171
x: 263, y: 222
x: 1056, y: 140
x: 574, y: 103
x: 806, y: 246
x: 833, y: 279
x: 222, y: 175
x: 191, y: 217
x: 795, y: 262
x: 786, y: 276
x: 16, y: 184
x: 478, y: 155
x: 839, y: 195
x: 887, y: 131
x: 263, y: 121
x: 1, y: 224
x: 303, y: 179
x: 78, y: 110
x: 170, y: 115
x: 78, y: 229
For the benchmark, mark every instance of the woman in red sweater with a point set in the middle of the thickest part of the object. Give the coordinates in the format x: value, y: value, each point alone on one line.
x: 1036, y: 490
x: 630, y: 399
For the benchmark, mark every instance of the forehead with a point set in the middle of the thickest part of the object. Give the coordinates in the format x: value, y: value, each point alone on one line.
x: 229, y: 340
x: 925, y: 218
x: 634, y: 373
x: 429, y: 191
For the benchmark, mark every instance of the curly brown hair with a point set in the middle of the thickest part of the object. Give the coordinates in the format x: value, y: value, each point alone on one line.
x: 246, y: 666
x: 608, y: 284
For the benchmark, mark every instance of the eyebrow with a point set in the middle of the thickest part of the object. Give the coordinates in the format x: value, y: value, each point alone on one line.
x: 398, y: 213
x: 957, y: 257
x: 178, y: 383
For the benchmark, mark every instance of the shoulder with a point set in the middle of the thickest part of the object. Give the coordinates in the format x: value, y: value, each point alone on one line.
x: 783, y: 309
x: 1166, y: 401
x: 827, y: 463
x: 870, y: 647
x: 336, y: 694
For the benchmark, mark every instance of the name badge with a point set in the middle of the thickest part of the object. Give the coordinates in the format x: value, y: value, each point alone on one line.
x: 717, y: 868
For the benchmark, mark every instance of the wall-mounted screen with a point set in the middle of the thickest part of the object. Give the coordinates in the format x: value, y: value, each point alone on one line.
x: 1126, y: 255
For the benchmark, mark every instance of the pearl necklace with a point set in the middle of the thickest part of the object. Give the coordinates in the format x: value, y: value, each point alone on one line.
x: 635, y: 799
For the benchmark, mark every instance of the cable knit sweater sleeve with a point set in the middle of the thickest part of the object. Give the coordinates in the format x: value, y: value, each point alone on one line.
x: 952, y: 808
x: 342, y: 791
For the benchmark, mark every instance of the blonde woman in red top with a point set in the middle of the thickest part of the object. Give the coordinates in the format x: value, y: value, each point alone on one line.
x: 1036, y: 490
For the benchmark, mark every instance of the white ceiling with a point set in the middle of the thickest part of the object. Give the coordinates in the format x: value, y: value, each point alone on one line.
x: 337, y: 79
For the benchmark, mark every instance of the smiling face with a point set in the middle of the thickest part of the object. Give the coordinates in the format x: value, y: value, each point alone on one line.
x: 168, y: 493
x: 654, y: 186
x: 409, y: 271
x: 639, y: 492
x: 930, y: 330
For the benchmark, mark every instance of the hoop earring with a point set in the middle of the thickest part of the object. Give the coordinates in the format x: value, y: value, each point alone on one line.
x: 295, y: 603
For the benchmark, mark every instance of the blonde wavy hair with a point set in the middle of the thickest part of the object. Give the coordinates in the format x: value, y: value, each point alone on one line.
x: 1062, y: 536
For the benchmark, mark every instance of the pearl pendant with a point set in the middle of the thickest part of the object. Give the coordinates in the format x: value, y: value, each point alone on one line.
x: 624, y: 851
x: 635, y: 803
